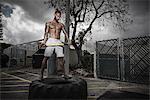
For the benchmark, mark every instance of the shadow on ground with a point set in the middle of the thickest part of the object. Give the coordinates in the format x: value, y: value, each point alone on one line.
x: 122, y: 95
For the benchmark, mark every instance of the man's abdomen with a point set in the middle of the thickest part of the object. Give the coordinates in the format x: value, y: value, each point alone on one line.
x: 54, y: 42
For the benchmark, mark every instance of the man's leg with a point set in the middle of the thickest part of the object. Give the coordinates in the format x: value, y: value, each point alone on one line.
x: 43, y: 66
x: 60, y: 67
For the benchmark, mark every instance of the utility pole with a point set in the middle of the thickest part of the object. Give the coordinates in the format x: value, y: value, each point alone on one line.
x: 1, y: 27
x: 66, y: 47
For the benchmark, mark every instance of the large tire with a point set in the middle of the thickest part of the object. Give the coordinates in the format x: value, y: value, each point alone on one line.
x: 58, y: 88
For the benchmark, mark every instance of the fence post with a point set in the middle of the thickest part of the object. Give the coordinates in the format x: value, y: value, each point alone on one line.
x: 118, y: 56
x: 96, y: 64
x: 122, y: 61
x: 95, y: 75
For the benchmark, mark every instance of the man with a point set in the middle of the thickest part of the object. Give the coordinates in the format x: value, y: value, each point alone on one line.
x: 53, y: 43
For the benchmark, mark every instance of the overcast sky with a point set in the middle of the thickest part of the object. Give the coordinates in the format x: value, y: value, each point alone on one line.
x: 27, y: 20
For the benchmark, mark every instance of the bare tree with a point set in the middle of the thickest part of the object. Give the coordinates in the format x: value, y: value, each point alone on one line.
x: 87, y: 12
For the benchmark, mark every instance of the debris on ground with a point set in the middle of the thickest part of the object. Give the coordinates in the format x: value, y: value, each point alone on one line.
x: 82, y: 72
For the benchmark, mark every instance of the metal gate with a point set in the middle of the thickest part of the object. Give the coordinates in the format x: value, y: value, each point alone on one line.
x: 125, y: 60
x: 137, y: 62
x: 108, y: 59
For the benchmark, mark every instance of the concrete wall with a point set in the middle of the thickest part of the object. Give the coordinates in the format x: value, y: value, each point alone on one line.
x: 22, y: 56
x: 73, y: 58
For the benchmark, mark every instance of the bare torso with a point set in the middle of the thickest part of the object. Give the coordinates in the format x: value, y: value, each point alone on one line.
x: 54, y: 29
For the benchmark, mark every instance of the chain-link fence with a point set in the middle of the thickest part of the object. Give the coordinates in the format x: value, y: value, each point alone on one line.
x: 107, y: 59
x: 137, y: 62
x: 21, y: 54
x: 126, y: 59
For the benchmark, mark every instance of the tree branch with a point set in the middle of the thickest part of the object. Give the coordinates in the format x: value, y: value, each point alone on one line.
x: 83, y: 19
x: 74, y: 29
x: 79, y: 17
x: 80, y: 8
x: 106, y: 12
x: 90, y: 26
x: 73, y: 10
x: 94, y: 7
x: 101, y: 4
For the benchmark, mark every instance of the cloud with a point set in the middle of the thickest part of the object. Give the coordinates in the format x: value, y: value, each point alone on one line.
x: 6, y: 10
x: 19, y: 28
x: 139, y: 10
x: 38, y: 11
x: 27, y: 22
x: 139, y: 7
x: 140, y: 27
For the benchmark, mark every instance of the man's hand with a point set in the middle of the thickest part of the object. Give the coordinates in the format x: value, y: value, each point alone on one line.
x: 69, y: 42
x: 42, y: 44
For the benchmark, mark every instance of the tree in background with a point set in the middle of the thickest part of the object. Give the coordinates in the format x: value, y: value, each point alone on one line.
x: 83, y: 14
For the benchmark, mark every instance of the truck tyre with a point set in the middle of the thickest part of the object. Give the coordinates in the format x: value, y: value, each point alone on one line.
x: 58, y: 88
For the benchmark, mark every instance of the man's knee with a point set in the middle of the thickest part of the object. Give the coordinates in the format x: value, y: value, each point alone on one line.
x: 44, y: 62
x: 61, y: 60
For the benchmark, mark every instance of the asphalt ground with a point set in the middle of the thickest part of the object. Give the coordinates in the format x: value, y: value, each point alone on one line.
x: 13, y: 88
x: 14, y: 85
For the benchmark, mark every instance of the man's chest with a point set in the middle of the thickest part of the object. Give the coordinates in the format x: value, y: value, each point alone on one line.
x: 55, y: 26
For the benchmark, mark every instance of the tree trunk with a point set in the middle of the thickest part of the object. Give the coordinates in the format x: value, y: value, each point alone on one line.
x: 79, y: 53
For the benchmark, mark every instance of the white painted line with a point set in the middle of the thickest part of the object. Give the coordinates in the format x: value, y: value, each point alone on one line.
x: 37, y: 75
x: 16, y: 77
x: 29, y: 73
x: 7, y: 78
x: 93, y: 97
x: 97, y: 88
x: 95, y: 83
x: 12, y: 81
x: 19, y: 91
x: 2, y: 86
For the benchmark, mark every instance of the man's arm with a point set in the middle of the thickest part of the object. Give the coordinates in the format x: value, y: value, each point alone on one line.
x: 46, y: 32
x: 66, y: 34
x: 45, y: 35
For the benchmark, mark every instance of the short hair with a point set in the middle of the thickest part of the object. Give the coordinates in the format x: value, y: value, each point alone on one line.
x: 57, y: 11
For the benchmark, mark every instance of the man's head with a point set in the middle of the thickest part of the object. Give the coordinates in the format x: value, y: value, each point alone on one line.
x: 57, y: 14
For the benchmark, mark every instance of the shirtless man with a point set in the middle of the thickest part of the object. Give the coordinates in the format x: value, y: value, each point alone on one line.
x: 52, y: 42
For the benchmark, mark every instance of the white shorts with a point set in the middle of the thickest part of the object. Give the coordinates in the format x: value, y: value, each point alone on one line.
x: 54, y: 44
